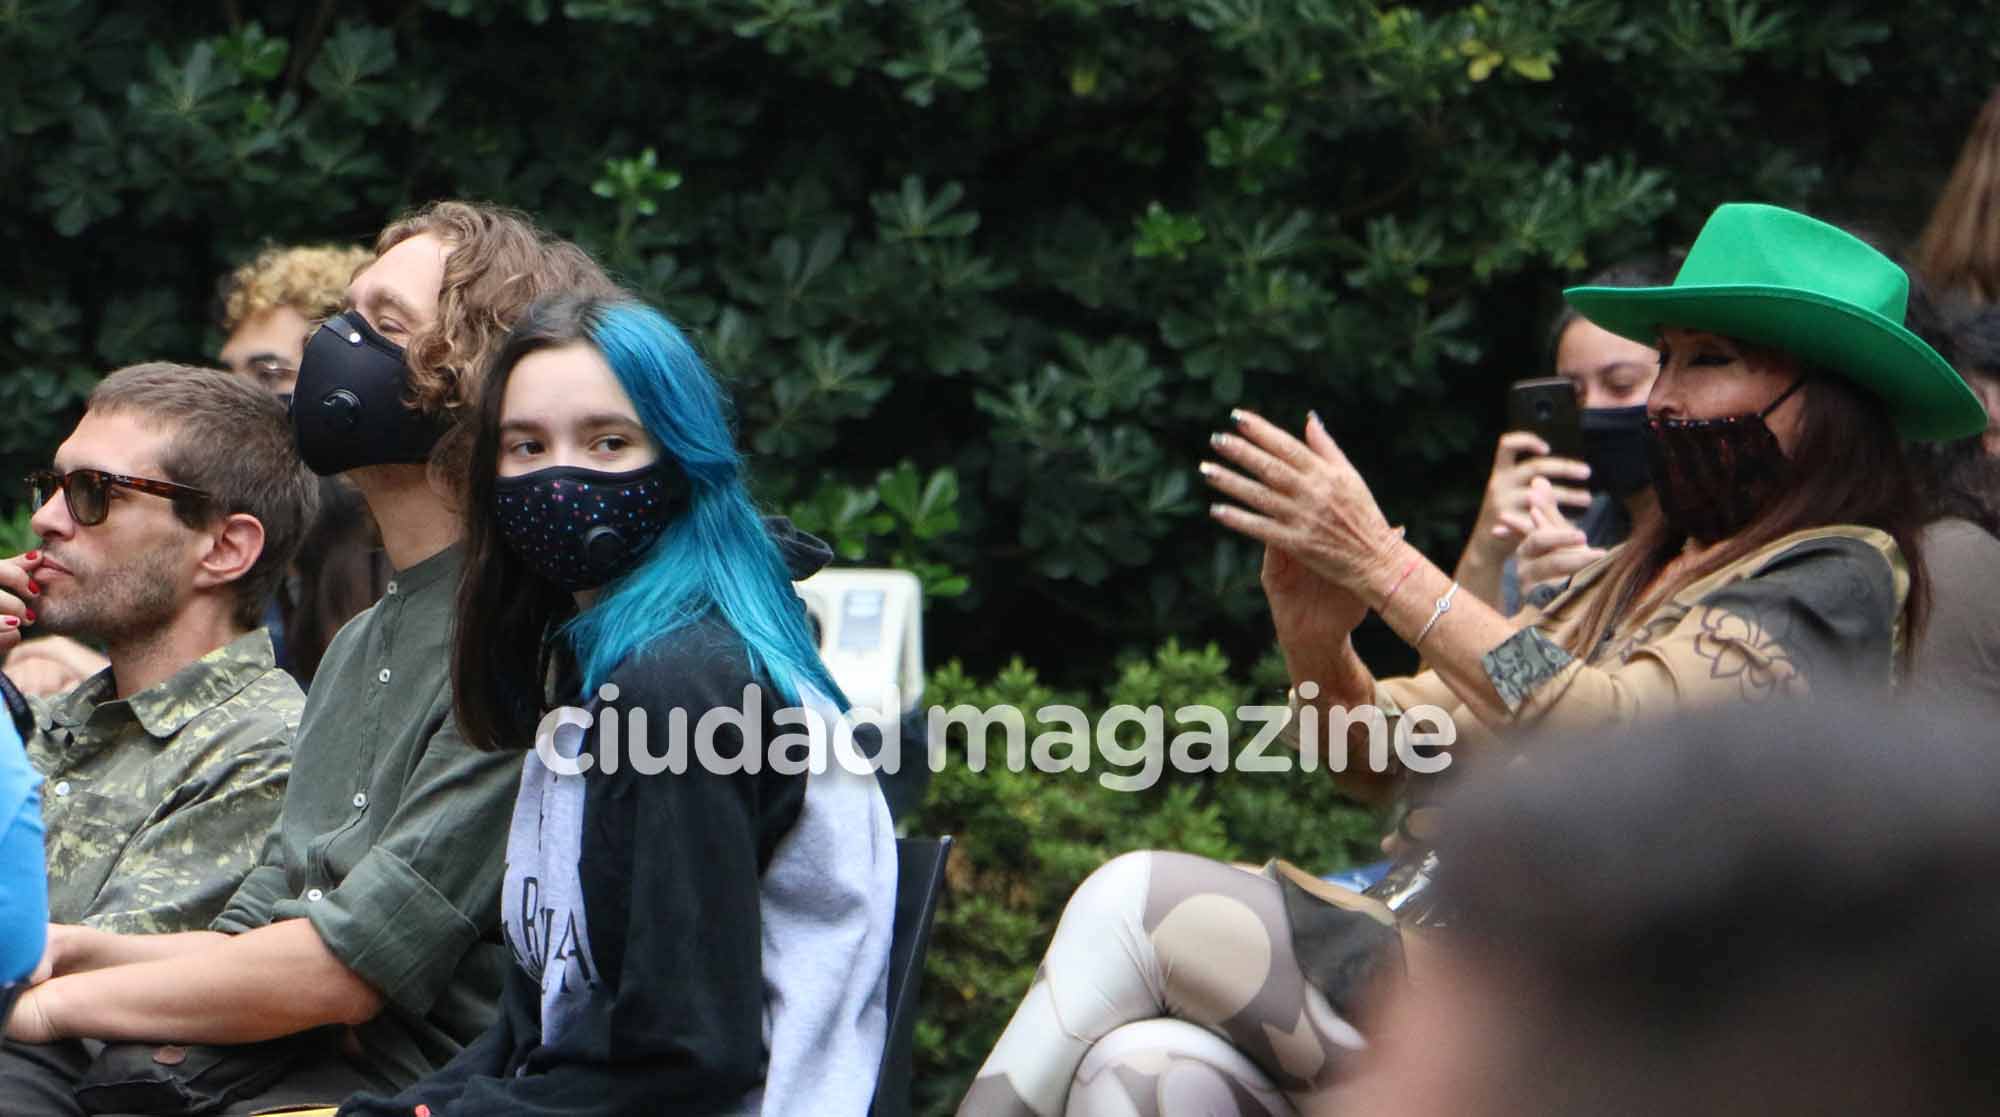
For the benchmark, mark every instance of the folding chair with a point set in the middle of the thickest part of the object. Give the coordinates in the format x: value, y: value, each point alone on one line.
x: 919, y: 884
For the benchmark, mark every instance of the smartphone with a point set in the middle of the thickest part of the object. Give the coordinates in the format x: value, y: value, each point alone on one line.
x: 1546, y: 406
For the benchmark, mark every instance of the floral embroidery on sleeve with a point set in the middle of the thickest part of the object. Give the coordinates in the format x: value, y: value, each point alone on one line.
x: 1521, y: 664
x: 1740, y: 646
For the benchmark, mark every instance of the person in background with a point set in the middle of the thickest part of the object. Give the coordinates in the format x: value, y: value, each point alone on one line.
x: 24, y: 899
x: 720, y: 939
x: 1959, y: 252
x: 365, y: 946
x: 1773, y: 911
x: 1520, y: 539
x: 169, y: 517
x: 273, y: 303
x: 1959, y: 657
x: 1787, y: 561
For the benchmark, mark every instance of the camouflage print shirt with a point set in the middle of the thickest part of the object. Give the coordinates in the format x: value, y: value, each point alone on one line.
x: 158, y: 805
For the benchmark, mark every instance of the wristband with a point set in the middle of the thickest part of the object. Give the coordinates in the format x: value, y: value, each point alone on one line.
x: 1400, y: 579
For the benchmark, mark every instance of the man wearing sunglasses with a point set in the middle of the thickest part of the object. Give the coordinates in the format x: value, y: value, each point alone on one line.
x: 268, y: 307
x: 367, y: 940
x: 171, y: 512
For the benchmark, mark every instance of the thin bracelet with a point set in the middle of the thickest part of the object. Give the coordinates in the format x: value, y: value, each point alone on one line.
x: 1400, y: 579
x: 1443, y: 607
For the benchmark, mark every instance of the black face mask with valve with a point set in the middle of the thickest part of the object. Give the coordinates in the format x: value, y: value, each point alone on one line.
x: 348, y: 406
x: 580, y: 528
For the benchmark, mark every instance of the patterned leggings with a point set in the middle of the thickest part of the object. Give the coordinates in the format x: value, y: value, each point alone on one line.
x: 1172, y: 987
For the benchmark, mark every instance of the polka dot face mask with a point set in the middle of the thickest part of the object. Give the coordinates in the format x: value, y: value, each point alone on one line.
x: 580, y: 528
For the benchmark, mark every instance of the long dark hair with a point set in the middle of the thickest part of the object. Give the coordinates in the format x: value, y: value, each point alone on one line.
x: 714, y: 558
x: 1960, y: 478
x: 1847, y: 467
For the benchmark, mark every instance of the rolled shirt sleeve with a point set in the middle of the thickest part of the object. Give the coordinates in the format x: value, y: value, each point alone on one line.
x: 424, y: 893
x: 259, y: 894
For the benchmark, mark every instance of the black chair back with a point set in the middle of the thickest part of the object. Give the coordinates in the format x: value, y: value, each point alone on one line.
x: 919, y: 885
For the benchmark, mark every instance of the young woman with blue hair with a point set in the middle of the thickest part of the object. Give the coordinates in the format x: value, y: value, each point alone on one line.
x: 711, y: 937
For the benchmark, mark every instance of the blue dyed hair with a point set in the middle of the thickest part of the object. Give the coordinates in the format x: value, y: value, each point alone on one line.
x: 715, y: 558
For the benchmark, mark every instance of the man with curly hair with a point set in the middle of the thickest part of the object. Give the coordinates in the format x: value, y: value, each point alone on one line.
x: 272, y: 303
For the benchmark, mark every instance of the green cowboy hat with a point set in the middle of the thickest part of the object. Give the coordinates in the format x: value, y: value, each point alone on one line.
x: 1769, y: 276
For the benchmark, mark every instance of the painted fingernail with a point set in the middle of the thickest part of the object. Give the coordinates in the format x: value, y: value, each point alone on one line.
x: 1217, y: 509
x: 1207, y: 469
x: 1236, y: 416
x: 31, y: 616
x: 32, y: 587
x: 10, y: 622
x: 1217, y: 439
x: 1313, y: 418
x: 31, y: 556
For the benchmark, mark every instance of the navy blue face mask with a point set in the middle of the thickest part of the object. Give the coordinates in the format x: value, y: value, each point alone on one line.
x: 1614, y: 446
x: 580, y: 528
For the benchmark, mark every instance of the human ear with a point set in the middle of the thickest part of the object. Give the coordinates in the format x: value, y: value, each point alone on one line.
x: 234, y: 547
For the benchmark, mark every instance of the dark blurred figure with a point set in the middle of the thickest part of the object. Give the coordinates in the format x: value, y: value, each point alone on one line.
x: 269, y: 306
x: 341, y: 570
x: 1959, y: 656
x: 1779, y: 911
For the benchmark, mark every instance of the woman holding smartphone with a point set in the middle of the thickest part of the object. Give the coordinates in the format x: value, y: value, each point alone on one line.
x: 1785, y: 561
x: 703, y: 940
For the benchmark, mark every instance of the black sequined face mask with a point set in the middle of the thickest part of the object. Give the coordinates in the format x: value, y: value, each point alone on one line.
x: 580, y: 528
x: 1714, y: 476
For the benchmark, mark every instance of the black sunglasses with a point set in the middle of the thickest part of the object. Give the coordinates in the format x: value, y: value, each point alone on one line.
x: 89, y: 491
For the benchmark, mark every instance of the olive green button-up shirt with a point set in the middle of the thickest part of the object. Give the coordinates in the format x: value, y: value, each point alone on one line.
x: 157, y: 806
x: 394, y: 832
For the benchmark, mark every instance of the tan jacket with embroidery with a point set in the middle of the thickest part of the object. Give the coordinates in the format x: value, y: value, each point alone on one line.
x: 1817, y: 608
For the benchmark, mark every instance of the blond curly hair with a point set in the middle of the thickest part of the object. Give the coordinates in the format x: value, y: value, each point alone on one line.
x: 311, y: 279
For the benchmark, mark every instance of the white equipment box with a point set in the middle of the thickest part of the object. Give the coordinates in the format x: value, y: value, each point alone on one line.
x: 870, y: 636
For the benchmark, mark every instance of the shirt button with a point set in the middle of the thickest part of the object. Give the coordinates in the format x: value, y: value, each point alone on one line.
x: 392, y: 587
x: 315, y: 896
x: 382, y: 676
x: 62, y: 788
x: 360, y: 800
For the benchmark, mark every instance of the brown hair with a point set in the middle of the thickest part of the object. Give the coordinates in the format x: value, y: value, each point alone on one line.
x: 311, y: 279
x: 500, y: 262
x: 1960, y: 248
x: 1848, y: 467
x: 232, y: 440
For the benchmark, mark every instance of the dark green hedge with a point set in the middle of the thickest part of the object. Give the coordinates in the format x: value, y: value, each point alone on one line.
x: 1034, y: 249
x: 985, y: 274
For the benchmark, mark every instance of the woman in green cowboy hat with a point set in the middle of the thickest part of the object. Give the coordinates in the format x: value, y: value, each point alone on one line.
x: 1786, y: 559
